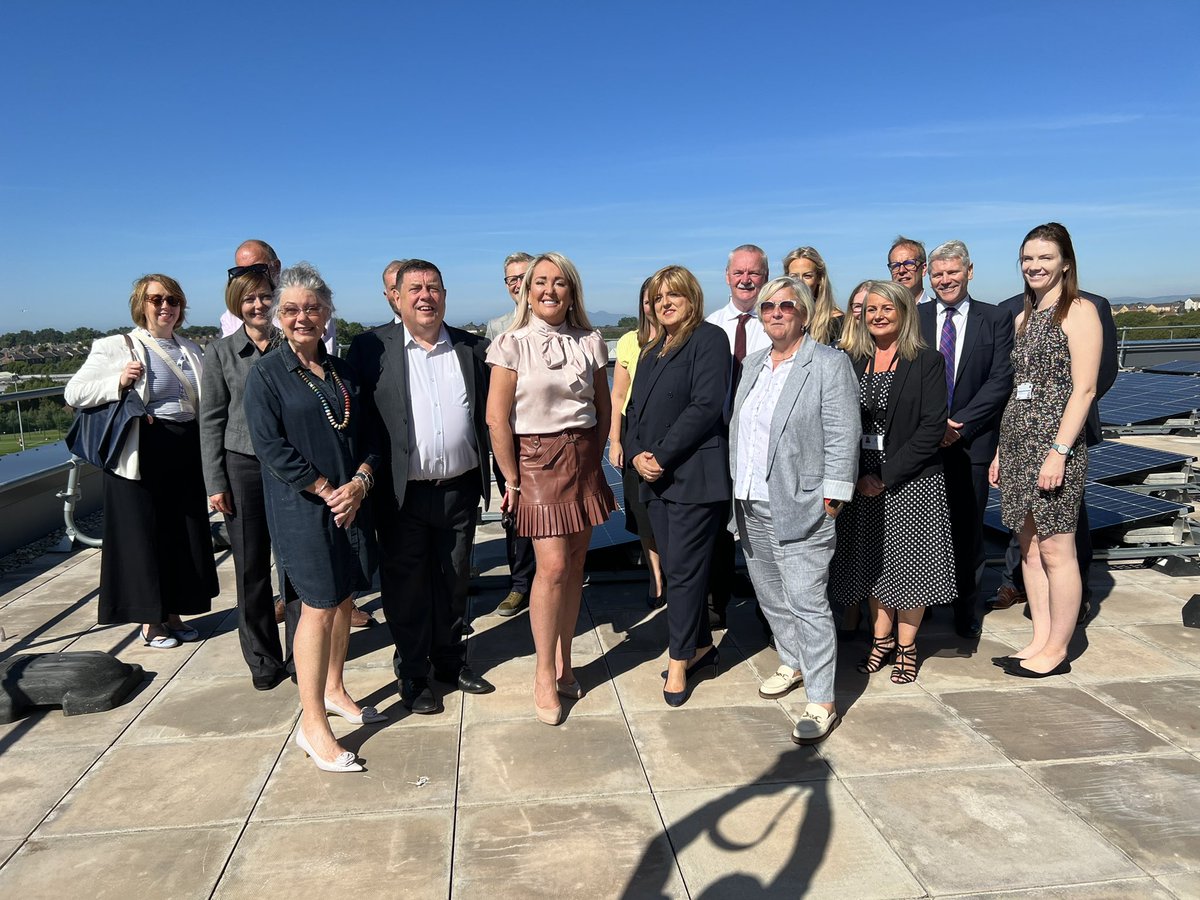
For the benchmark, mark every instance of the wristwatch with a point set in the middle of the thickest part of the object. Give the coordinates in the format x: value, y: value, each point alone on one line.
x: 1061, y: 448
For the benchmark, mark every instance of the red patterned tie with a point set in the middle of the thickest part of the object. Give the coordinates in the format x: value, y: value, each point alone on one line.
x: 739, y: 339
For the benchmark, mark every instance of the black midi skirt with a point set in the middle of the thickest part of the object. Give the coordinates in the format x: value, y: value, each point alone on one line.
x: 157, y: 558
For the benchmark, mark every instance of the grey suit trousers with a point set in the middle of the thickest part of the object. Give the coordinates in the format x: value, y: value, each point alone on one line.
x: 790, y: 581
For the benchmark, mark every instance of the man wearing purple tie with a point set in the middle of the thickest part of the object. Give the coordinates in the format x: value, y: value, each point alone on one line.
x: 975, y: 340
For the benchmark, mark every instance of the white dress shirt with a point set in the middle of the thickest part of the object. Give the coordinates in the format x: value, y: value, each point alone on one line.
x: 441, y: 442
x: 754, y: 430
x: 961, y: 311
x: 727, y: 317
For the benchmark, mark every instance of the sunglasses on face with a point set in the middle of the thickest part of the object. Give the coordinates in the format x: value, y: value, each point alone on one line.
x: 787, y: 307
x: 907, y: 264
x: 257, y: 269
x: 157, y: 300
x: 292, y: 312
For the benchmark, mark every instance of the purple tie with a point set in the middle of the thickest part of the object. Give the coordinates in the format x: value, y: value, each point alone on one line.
x: 946, y: 346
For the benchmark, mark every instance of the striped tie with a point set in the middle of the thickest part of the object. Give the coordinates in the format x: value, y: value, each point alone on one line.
x: 946, y: 346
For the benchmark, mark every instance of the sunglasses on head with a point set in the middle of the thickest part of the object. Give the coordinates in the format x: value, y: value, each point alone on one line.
x: 256, y: 269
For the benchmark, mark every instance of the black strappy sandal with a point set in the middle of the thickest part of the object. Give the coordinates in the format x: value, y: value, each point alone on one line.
x: 881, y: 652
x: 905, y: 670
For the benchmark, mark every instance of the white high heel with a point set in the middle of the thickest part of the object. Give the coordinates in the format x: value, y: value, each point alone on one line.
x: 369, y: 715
x: 345, y: 762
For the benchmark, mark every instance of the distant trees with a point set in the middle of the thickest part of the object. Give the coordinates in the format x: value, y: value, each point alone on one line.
x: 627, y: 322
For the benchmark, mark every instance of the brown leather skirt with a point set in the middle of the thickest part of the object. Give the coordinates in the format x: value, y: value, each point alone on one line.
x: 562, y: 485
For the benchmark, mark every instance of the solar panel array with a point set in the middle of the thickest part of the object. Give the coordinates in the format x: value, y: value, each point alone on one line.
x: 1140, y: 398
x: 612, y: 532
x: 1106, y: 506
x: 1111, y: 461
x: 1175, y: 367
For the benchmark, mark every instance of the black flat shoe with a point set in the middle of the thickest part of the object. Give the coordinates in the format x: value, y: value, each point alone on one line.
x: 1015, y: 668
x: 675, y: 698
x: 1004, y: 661
x: 417, y: 696
x: 656, y: 602
x: 710, y: 659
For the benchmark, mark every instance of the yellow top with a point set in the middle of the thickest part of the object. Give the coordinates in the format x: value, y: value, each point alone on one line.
x: 628, y: 353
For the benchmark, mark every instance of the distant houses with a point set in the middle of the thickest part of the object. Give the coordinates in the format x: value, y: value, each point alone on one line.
x: 1191, y: 304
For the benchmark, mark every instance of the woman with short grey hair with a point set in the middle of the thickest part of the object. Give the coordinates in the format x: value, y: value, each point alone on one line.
x: 317, y: 452
x: 793, y: 454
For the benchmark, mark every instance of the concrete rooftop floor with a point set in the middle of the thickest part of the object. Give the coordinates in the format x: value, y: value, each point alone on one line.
x: 968, y: 782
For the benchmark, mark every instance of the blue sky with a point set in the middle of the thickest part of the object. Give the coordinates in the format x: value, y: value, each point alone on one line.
x: 155, y: 137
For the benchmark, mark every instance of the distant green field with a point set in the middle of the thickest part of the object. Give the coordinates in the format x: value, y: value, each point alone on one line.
x: 11, y: 443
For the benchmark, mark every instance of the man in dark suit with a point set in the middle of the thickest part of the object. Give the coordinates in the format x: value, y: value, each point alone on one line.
x: 425, y: 384
x: 1012, y: 588
x: 975, y: 340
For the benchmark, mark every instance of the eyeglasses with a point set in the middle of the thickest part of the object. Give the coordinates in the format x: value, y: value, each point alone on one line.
x: 510, y: 280
x: 256, y: 269
x: 312, y: 311
x: 157, y: 300
x: 787, y: 307
x: 909, y: 264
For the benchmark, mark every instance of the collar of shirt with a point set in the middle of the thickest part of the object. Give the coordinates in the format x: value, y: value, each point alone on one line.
x: 442, y: 339
x: 244, y: 346
x: 961, y: 308
x: 292, y: 361
x: 730, y: 312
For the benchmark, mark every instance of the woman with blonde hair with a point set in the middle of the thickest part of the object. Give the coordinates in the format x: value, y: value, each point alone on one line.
x: 894, y: 545
x: 548, y: 407
x: 807, y: 264
x: 677, y: 440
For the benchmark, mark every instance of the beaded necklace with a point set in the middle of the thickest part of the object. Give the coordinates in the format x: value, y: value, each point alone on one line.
x: 338, y: 426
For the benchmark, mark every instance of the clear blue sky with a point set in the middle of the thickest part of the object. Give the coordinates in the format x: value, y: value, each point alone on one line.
x: 146, y: 137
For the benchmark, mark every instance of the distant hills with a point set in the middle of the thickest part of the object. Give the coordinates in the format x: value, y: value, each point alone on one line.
x: 1157, y: 301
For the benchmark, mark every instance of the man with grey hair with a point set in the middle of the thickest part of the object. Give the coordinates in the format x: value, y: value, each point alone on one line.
x: 518, y: 549
x: 746, y: 272
x: 975, y: 340
x: 390, y: 292
x: 906, y: 263
x: 515, y: 266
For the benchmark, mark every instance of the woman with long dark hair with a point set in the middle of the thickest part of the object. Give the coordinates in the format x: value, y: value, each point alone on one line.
x: 1041, y: 463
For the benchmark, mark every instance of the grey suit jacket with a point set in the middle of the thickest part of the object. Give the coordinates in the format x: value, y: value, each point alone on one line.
x: 223, y: 424
x: 816, y: 428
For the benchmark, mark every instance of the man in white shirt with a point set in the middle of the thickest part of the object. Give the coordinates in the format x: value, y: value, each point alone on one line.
x: 427, y: 383
x: 746, y: 272
x: 906, y: 263
x: 251, y: 253
x: 518, y: 549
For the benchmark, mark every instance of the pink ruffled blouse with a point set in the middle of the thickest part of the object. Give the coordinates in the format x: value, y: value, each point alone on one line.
x: 555, y: 368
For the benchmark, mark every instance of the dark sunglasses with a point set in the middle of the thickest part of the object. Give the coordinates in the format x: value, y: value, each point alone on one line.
x: 256, y: 269
x: 157, y: 300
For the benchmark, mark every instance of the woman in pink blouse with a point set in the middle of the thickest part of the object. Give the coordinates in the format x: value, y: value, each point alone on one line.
x: 548, y: 405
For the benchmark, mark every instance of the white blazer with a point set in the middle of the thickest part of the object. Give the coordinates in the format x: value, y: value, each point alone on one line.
x: 98, y: 381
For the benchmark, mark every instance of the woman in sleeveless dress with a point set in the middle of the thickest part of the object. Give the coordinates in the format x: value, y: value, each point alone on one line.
x: 1041, y: 463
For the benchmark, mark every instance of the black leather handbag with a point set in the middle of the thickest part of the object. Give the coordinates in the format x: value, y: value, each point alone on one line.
x: 98, y: 433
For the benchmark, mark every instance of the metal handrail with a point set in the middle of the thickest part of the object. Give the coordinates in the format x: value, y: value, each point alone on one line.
x: 70, y: 497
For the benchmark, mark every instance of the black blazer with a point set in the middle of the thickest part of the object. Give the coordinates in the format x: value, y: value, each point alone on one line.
x: 915, y: 421
x: 677, y: 412
x: 1109, y: 362
x: 983, y: 381
x: 378, y: 357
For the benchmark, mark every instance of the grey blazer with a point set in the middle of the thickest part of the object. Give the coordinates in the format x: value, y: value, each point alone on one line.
x: 816, y: 428
x: 223, y: 425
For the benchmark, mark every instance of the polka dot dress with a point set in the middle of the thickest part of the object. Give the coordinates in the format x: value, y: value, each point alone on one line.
x: 895, y: 547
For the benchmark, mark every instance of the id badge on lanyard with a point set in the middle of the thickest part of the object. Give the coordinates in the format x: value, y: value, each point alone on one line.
x: 1025, y: 391
x: 872, y: 442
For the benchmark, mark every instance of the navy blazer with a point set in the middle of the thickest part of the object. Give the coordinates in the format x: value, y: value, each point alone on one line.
x: 915, y: 420
x: 379, y: 358
x: 1109, y: 361
x: 677, y: 412
x: 983, y: 380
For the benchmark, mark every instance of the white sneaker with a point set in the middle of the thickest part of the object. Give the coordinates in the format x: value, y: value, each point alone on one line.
x: 814, y: 725
x: 783, y: 682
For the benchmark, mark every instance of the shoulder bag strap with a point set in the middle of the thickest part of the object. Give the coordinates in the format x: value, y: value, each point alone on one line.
x: 153, y: 347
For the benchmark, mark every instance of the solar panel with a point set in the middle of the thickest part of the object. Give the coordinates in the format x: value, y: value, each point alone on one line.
x: 1110, y: 461
x: 612, y: 533
x: 1174, y: 367
x: 1138, y: 398
x: 1106, y: 506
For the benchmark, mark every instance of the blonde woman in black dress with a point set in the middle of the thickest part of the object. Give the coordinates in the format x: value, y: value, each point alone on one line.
x: 1041, y: 463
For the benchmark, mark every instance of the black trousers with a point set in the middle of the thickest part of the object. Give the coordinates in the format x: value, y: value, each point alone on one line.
x: 250, y: 543
x: 425, y: 570
x: 966, y: 496
x: 686, y: 534
x: 519, y: 550
x: 720, y: 573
